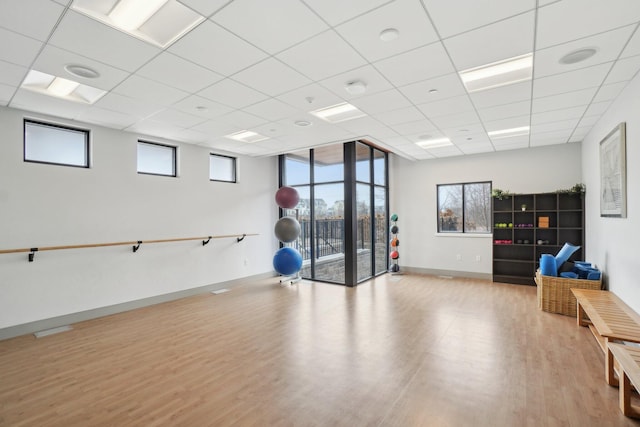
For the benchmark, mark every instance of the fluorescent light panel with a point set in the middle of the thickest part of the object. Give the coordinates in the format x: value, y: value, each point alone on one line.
x: 338, y: 113
x: 508, y: 133
x: 496, y: 74
x: 160, y: 22
x: 69, y: 90
x: 435, y: 143
x: 247, y: 136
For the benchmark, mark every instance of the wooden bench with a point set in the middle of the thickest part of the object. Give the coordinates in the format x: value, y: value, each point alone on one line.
x: 628, y: 359
x: 609, y: 319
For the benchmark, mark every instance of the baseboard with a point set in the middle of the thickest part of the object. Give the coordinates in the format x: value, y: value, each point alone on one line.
x: 448, y: 273
x: 67, y: 319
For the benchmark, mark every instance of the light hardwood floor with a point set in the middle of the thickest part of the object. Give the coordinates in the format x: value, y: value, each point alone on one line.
x: 403, y: 350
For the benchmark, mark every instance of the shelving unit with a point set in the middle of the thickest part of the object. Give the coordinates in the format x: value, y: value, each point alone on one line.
x: 519, y: 239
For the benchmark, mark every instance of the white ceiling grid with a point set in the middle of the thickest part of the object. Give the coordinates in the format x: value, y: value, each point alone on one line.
x: 264, y: 66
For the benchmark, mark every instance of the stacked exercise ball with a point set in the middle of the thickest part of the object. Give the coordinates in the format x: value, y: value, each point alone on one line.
x: 287, y: 261
x: 394, y: 243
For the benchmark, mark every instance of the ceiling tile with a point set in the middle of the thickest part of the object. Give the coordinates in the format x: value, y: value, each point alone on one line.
x: 104, y: 117
x: 52, y: 60
x: 381, y: 102
x: 476, y: 148
x: 402, y: 115
x: 216, y: 128
x: 310, y: 97
x: 416, y: 131
x: 137, y: 108
x: 241, y: 119
x: 506, y: 39
x: 510, y: 123
x: 633, y: 47
x: 154, y: 128
x: 434, y: 89
x: 338, y: 11
x: 406, y: 16
x: 608, y: 45
x: 148, y: 90
x: 201, y: 107
x: 415, y: 65
x: 177, y: 118
x: 179, y: 73
x: 597, y: 108
x: 570, y: 81
x: 367, y: 125
x: 217, y: 49
x: 444, y: 107
x: 6, y: 92
x: 86, y: 37
x: 511, y: 143
x: 608, y: 92
x: 337, y: 56
x: 231, y: 93
x: 11, y: 74
x: 205, y: 7
x: 271, y: 25
x: 502, y: 95
x: 588, y: 121
x: 562, y: 101
x: 557, y: 126
x: 452, y: 18
x: 624, y: 70
x: 272, y: 110
x: 32, y: 101
x: 38, y: 23
x: 373, y: 80
x: 453, y: 120
x: 271, y: 77
x: 574, y: 19
x: 18, y: 49
x: 558, y: 115
x: 505, y: 111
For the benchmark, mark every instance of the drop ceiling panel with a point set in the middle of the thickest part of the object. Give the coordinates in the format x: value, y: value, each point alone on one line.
x: 18, y: 49
x: 558, y: 115
x: 434, y: 89
x: 511, y: 144
x: 366, y: 125
x: 104, y: 117
x: 271, y: 26
x: 458, y: 119
x: 232, y: 94
x: 496, y: 42
x: 148, y: 90
x: 608, y: 46
x: 242, y: 119
x: 136, y: 108
x: 373, y: 80
x: 310, y: 97
x: 574, y: 19
x: 505, y: 111
x: 518, y: 92
x: 608, y: 92
x: 562, y: 101
x: 454, y: 17
x: 445, y: 107
x: 597, y: 109
x: 570, y: 81
x: 415, y: 65
x: 37, y: 24
x: 510, y: 123
x: 205, y: 7
x: 402, y: 115
x: 633, y: 47
x: 406, y: 16
x: 624, y: 70
x: 272, y: 110
x: 217, y: 49
x: 6, y: 92
x: 415, y: 131
x: 271, y: 77
x: 216, y: 128
x: 202, y: 107
x: 11, y: 74
x: 338, y: 11
x: 52, y: 60
x: 179, y: 73
x: 381, y: 102
x: 476, y: 148
x: 562, y: 125
x: 177, y: 118
x: 86, y: 37
x: 32, y: 101
x: 336, y: 57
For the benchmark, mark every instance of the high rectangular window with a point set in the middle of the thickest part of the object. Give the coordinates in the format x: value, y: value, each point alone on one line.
x: 222, y: 168
x: 55, y: 144
x: 156, y: 159
x: 464, y: 208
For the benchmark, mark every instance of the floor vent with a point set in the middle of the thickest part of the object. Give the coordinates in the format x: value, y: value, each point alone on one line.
x: 220, y: 291
x: 52, y: 331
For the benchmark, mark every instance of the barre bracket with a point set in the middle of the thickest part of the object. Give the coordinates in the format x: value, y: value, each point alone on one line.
x: 32, y: 255
x: 240, y: 239
x: 204, y: 242
x: 136, y: 247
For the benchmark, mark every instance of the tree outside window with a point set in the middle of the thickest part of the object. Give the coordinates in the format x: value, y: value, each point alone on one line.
x: 464, y: 208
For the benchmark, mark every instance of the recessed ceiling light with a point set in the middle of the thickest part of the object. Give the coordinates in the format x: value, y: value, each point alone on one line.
x: 302, y: 123
x: 202, y: 108
x: 578, y: 55
x: 433, y: 90
x: 160, y: 22
x: 338, y: 113
x: 247, y: 136
x: 435, y: 143
x: 356, y: 87
x: 81, y: 71
x: 508, y: 133
x: 47, y: 84
x: 496, y: 74
x: 389, y: 34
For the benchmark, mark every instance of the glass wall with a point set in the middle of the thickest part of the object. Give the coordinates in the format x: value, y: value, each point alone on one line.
x: 327, y: 203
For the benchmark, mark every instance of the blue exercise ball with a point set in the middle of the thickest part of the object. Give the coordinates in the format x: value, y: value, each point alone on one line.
x: 287, y: 261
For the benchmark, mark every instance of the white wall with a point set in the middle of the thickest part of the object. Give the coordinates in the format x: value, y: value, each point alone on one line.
x: 612, y: 243
x: 413, y: 198
x: 47, y: 205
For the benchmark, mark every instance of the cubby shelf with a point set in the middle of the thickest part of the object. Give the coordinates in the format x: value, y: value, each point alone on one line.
x: 519, y: 240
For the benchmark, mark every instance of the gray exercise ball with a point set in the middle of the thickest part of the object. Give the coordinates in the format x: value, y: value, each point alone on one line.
x: 287, y: 229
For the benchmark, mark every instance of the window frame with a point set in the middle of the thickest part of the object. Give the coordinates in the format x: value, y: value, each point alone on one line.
x: 87, y: 143
x: 174, y: 150
x: 463, y: 231
x: 235, y: 168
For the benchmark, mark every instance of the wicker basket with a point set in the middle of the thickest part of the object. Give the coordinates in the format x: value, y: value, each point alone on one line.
x: 554, y: 293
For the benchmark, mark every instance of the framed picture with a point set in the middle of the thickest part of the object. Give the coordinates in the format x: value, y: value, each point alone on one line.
x: 613, y: 173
